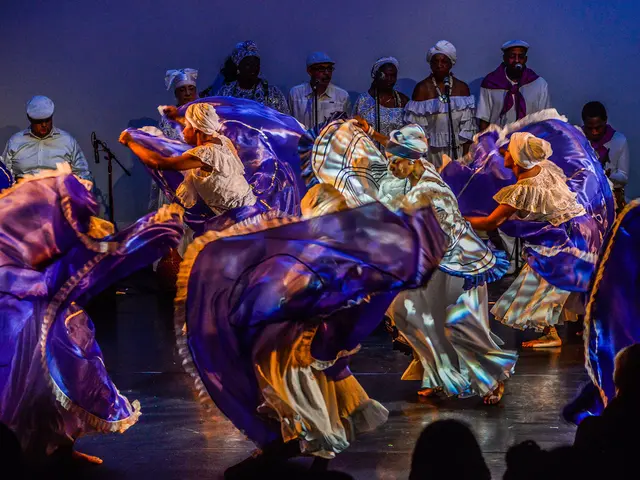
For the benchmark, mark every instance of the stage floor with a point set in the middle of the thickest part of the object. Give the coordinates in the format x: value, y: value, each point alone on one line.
x: 176, y: 439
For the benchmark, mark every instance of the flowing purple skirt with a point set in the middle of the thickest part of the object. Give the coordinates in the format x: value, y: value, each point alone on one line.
x: 253, y: 289
x: 563, y: 255
x: 267, y: 144
x: 55, y: 255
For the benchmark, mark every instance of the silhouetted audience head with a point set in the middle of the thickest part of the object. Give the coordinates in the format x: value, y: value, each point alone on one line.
x: 527, y: 461
x: 448, y: 449
x: 626, y: 375
x: 11, y: 457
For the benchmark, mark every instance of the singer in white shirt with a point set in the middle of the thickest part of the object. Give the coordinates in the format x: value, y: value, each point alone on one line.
x: 43, y: 146
x: 513, y: 90
x: 331, y: 99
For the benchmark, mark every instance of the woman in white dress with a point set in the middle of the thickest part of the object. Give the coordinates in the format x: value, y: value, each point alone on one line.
x: 443, y: 105
x: 215, y: 172
x: 447, y: 323
x: 541, y: 194
x: 392, y: 102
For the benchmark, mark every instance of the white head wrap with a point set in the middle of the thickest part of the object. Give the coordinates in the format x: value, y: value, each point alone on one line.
x: 203, y: 117
x: 177, y: 78
x: 527, y: 150
x: 409, y: 142
x: 40, y: 107
x: 383, y: 61
x: 443, y: 47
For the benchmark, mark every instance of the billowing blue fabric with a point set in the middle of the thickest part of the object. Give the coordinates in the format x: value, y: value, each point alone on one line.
x: 613, y: 316
x: 267, y: 143
x: 259, y: 290
x: 6, y: 179
x: 580, y: 238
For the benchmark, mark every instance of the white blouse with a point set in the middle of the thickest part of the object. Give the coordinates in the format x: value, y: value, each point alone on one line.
x: 224, y: 187
x: 433, y: 116
x: 543, y: 198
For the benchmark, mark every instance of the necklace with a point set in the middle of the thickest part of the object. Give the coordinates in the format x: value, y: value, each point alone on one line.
x: 443, y: 98
x: 236, y: 89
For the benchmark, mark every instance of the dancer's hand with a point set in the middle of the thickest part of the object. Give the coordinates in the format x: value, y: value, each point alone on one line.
x: 171, y: 112
x: 125, y: 138
x: 361, y: 122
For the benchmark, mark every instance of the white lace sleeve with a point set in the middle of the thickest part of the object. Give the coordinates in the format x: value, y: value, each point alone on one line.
x: 546, y: 195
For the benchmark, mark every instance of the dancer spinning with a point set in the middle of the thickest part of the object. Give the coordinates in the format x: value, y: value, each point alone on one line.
x: 446, y: 322
x: 540, y: 194
x: 268, y: 315
x: 54, y: 386
x: 216, y: 173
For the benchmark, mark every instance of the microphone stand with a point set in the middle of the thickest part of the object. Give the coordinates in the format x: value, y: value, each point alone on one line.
x: 378, y: 114
x: 314, y: 87
x: 452, y: 132
x: 99, y: 145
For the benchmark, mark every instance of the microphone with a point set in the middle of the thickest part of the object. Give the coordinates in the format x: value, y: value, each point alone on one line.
x: 519, y: 66
x: 94, y: 142
x: 447, y: 85
x: 380, y: 75
x: 314, y: 84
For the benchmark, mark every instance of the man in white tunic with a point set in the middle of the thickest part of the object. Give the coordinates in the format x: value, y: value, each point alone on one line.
x: 330, y: 98
x: 512, y: 91
x: 43, y: 146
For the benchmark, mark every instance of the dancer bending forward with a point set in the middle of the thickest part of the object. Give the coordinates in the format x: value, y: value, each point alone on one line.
x: 540, y: 195
x: 447, y: 321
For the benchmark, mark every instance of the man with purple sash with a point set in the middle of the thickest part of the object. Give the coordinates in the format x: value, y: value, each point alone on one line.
x: 610, y: 146
x: 512, y: 91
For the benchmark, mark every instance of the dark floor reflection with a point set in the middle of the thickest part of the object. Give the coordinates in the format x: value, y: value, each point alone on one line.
x: 177, y: 439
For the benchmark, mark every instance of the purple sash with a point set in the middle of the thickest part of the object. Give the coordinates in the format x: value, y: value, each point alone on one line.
x: 498, y: 80
x: 599, y: 145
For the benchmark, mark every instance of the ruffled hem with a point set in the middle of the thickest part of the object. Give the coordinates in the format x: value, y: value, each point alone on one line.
x: 433, y: 106
x: 164, y: 214
x: 498, y: 270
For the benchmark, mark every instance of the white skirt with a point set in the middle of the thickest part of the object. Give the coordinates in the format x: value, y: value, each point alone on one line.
x: 531, y: 302
x: 448, y: 329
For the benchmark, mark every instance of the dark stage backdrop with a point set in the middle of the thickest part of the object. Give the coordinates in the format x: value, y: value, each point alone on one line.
x: 103, y: 62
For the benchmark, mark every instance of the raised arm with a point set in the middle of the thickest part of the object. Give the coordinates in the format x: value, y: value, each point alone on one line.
x: 494, y: 220
x: 369, y: 130
x: 160, y: 162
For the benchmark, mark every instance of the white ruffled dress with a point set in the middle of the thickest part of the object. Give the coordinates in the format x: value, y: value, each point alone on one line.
x: 433, y: 116
x: 531, y: 301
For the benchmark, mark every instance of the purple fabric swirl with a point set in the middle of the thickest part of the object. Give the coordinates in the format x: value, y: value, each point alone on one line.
x: 267, y: 143
x: 50, y: 266
x: 247, y: 292
x: 563, y: 255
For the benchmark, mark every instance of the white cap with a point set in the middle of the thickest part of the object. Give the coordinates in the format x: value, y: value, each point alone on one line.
x: 515, y: 43
x: 40, y: 107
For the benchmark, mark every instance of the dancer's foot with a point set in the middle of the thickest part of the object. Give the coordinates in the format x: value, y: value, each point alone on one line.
x: 429, y: 392
x: 494, y: 397
x: 83, y: 457
x: 549, y: 340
